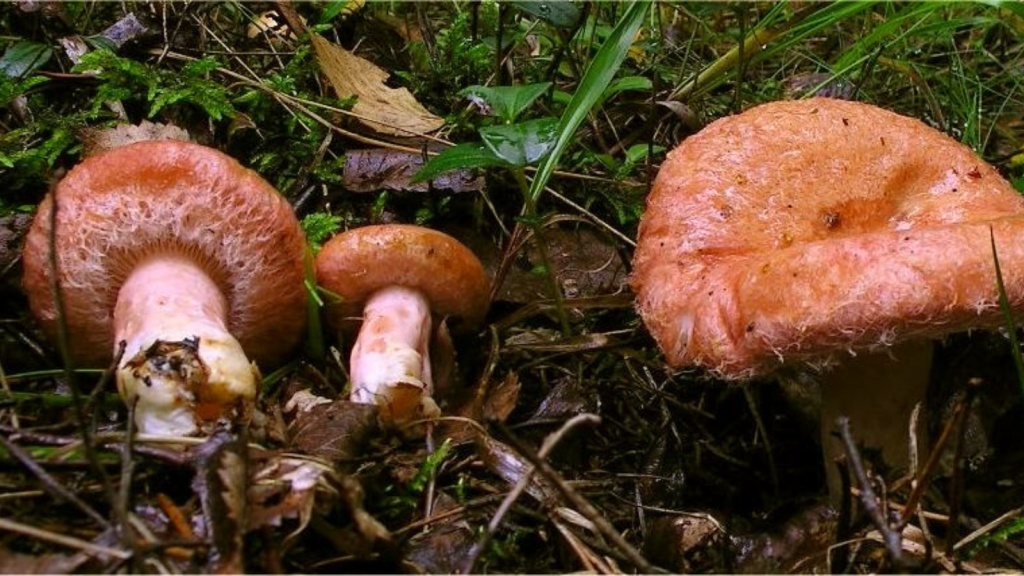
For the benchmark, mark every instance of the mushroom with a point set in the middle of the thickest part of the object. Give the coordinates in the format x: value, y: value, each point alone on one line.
x: 395, y: 278
x: 832, y: 234
x: 189, y: 259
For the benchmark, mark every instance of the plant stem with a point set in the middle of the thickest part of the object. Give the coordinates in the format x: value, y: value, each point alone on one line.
x: 530, y: 214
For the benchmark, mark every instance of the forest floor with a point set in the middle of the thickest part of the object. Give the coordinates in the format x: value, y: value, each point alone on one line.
x: 644, y: 467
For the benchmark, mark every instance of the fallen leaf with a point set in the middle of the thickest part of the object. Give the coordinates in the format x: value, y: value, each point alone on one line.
x: 502, y: 399
x: 125, y: 30
x: 117, y: 35
x: 443, y: 548
x: 96, y: 141
x: 378, y: 169
x: 335, y: 431
x: 489, y: 403
x: 502, y: 460
x: 220, y: 482
x: 569, y: 397
x: 585, y: 264
x: 387, y: 110
x: 273, y: 25
x: 12, y: 230
x: 286, y: 488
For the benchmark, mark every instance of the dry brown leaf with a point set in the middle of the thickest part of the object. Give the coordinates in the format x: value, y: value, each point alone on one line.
x: 335, y: 431
x: 387, y: 110
x: 585, y: 264
x: 220, y: 483
x: 443, y: 548
x: 378, y: 169
x: 98, y: 140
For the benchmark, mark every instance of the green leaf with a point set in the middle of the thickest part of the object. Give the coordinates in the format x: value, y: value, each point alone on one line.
x: 100, y: 42
x: 560, y: 13
x: 638, y: 152
x: 627, y: 84
x: 522, y: 143
x: 598, y: 75
x: 506, y: 102
x: 23, y: 57
x: 461, y: 157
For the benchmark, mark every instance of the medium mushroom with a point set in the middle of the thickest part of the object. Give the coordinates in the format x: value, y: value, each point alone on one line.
x: 395, y: 278
x: 191, y: 260
x: 832, y: 234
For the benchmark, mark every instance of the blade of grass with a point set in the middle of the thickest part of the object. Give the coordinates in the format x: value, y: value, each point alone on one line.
x: 768, y: 38
x: 314, y: 331
x: 1004, y: 304
x: 597, y: 77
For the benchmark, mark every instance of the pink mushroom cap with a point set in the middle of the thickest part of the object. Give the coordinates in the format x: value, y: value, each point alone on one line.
x: 123, y: 206
x: 361, y: 261
x: 799, y: 231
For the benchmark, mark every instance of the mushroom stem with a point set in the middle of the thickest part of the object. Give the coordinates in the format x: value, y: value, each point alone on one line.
x: 181, y: 366
x: 878, y: 392
x: 390, y: 360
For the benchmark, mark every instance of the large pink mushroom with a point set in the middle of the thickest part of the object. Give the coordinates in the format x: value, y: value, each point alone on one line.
x: 395, y: 279
x: 829, y: 234
x: 190, y: 259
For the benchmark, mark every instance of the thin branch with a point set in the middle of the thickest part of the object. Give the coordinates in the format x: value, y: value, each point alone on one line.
x: 51, y: 484
x: 61, y: 539
x: 492, y: 527
x: 581, y: 504
x: 892, y: 538
x: 63, y: 343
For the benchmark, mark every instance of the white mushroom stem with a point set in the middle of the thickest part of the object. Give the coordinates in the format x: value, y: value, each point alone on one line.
x: 878, y: 392
x: 390, y: 360
x: 181, y: 367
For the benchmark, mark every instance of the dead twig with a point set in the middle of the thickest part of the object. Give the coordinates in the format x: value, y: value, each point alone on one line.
x: 492, y: 527
x: 956, y: 488
x: 987, y: 528
x: 61, y: 539
x: 601, y: 524
x: 52, y: 485
x: 891, y: 537
x: 63, y: 344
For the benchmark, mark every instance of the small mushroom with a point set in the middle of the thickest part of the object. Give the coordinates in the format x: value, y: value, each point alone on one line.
x: 395, y: 278
x: 832, y: 234
x: 185, y: 256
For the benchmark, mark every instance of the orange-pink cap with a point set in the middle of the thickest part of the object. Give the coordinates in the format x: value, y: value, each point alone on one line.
x: 122, y: 206
x: 804, y: 230
x: 357, y: 263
